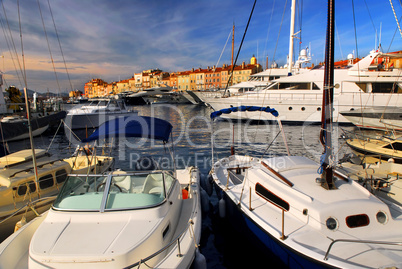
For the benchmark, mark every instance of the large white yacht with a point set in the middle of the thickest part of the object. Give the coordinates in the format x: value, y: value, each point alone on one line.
x: 97, y: 112
x: 298, y: 98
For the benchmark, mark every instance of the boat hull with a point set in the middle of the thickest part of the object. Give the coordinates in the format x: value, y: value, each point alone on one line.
x: 83, y: 121
x: 376, y: 118
x: 257, y: 235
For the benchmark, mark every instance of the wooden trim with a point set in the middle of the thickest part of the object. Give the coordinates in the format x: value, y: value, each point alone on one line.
x: 284, y: 179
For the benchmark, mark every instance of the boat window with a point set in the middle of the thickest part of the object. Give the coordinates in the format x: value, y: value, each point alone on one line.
x: 394, y: 146
x: 102, y: 103
x: 22, y: 189
x: 81, y: 193
x: 121, y: 104
x: 126, y: 191
x: 61, y: 175
x: 362, y: 86
x: 357, y: 221
x: 46, y: 181
x: 386, y: 88
x: 271, y: 197
x: 298, y: 86
x: 112, y: 104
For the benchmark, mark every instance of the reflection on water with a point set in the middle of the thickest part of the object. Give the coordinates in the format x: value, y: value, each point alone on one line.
x: 191, y: 138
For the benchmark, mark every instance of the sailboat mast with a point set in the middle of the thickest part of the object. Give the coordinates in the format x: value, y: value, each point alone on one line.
x: 292, y: 31
x: 233, y: 42
x: 327, y: 102
x: 35, y: 167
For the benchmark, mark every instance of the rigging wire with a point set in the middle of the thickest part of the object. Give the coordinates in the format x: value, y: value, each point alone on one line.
x: 392, y: 40
x: 396, y: 18
x: 276, y: 45
x: 22, y: 48
x: 227, y: 40
x: 61, y: 50
x: 11, y: 48
x: 238, y: 51
x: 269, y: 28
x: 48, y: 45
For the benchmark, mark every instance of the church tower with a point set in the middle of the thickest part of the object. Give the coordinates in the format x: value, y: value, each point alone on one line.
x: 253, y: 60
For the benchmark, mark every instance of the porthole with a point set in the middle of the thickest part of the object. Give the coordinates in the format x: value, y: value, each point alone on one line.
x: 303, y: 108
x: 318, y: 108
x: 381, y: 217
x: 290, y: 108
x: 332, y: 224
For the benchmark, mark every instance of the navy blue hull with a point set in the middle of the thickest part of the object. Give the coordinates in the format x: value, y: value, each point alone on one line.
x: 244, y: 224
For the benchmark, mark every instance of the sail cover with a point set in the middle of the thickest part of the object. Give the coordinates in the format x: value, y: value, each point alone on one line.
x: 133, y: 126
x: 244, y: 108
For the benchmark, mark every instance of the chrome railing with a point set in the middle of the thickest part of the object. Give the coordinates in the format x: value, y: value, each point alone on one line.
x: 359, y: 241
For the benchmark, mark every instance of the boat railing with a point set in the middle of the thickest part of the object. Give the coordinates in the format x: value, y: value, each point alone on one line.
x: 359, y: 242
x: 175, y: 240
x: 28, y: 205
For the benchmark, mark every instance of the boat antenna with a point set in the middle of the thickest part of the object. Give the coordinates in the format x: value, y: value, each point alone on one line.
x: 326, y: 168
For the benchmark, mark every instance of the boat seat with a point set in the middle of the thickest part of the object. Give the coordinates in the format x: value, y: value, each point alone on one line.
x: 123, y: 181
x: 153, y: 184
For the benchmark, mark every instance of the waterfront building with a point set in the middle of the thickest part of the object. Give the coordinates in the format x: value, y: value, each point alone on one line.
x: 195, y: 79
x: 183, y: 80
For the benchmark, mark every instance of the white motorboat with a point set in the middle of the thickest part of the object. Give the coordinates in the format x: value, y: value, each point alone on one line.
x: 309, y: 214
x: 116, y: 220
x: 159, y: 95
x: 24, y: 195
x: 382, y: 118
x: 97, y: 112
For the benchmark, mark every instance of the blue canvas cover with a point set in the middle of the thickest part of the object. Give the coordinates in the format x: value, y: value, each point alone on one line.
x: 133, y: 126
x: 244, y: 108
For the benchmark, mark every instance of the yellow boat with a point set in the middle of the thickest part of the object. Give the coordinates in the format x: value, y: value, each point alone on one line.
x: 23, y: 196
x: 377, y: 150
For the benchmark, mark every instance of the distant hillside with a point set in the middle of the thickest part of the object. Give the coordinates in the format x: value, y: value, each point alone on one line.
x: 40, y: 94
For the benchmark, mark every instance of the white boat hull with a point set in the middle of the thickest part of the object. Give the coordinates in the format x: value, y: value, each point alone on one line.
x: 297, y: 233
x: 296, y: 107
x: 123, y: 229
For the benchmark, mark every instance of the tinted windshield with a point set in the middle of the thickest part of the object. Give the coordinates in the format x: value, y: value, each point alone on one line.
x: 114, y: 192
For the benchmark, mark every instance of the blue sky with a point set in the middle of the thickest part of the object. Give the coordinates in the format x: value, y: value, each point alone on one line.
x: 114, y: 39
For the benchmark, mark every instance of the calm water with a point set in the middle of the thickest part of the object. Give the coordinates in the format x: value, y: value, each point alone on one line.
x: 221, y: 245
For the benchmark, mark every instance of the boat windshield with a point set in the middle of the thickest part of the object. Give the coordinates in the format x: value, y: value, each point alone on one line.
x: 114, y: 191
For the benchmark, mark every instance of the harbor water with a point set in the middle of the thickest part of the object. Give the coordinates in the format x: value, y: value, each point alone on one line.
x: 221, y: 244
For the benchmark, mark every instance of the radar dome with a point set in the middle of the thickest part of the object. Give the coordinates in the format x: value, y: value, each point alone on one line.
x: 350, y: 56
x: 303, y: 53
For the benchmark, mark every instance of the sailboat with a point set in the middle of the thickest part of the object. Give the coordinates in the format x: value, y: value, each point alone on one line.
x: 308, y: 214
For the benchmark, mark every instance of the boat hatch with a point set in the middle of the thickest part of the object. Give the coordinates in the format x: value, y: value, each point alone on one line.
x: 114, y: 191
x: 394, y: 146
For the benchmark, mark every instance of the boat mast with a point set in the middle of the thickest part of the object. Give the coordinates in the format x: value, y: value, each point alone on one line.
x: 35, y: 167
x: 291, y: 36
x: 327, y: 101
x: 233, y: 42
